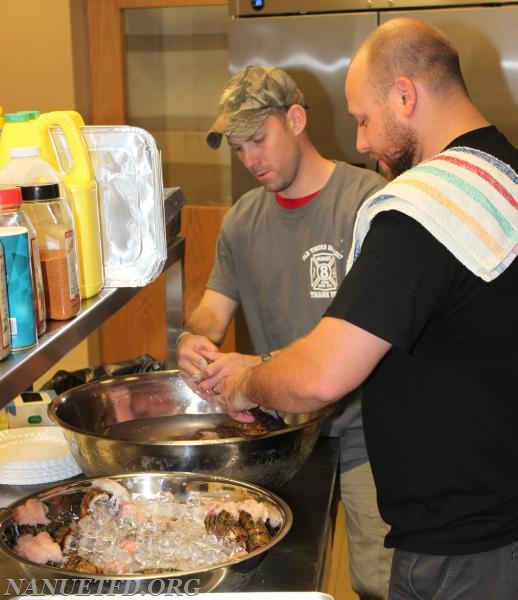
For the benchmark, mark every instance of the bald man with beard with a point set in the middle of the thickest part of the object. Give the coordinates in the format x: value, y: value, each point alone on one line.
x: 425, y: 321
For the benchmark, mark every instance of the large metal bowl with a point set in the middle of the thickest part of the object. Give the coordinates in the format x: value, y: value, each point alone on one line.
x: 232, y: 575
x: 132, y: 423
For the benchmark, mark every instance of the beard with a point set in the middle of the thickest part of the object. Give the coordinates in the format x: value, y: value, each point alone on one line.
x: 403, y: 147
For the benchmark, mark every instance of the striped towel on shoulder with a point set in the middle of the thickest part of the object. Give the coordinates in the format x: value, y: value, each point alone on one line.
x: 467, y: 199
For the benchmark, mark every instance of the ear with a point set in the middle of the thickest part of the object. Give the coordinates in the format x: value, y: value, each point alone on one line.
x: 296, y: 118
x: 404, y: 95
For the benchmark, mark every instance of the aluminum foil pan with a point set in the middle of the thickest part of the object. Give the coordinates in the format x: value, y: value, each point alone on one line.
x: 128, y: 169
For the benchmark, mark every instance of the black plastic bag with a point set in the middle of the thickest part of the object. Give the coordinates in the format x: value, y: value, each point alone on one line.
x: 63, y: 380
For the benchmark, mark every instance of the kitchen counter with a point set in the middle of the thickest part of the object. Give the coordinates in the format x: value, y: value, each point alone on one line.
x: 295, y: 564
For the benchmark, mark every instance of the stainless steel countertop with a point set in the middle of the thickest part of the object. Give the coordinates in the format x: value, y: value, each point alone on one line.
x: 295, y: 564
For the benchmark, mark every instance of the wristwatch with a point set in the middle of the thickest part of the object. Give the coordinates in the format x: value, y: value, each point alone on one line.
x: 266, y: 356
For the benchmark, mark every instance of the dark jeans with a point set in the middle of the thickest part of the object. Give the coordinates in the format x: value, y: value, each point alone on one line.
x: 489, y: 575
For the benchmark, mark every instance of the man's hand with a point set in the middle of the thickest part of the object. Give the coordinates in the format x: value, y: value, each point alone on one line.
x: 191, y: 354
x: 221, y: 365
x: 233, y: 395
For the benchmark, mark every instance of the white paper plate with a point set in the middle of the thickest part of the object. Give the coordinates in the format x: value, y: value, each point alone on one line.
x: 30, y: 455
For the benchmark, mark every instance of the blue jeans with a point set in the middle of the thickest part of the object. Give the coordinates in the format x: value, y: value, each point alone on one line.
x: 489, y: 575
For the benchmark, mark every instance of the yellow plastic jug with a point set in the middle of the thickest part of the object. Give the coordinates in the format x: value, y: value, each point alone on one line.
x: 84, y: 198
x: 30, y: 128
x: 22, y: 129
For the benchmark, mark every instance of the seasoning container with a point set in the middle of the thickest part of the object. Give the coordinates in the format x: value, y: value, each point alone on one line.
x: 15, y: 241
x: 5, y: 334
x: 11, y: 214
x: 54, y: 224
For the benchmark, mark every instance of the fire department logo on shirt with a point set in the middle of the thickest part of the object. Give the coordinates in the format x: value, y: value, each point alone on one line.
x: 323, y: 270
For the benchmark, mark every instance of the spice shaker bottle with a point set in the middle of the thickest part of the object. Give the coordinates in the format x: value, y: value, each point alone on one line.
x: 54, y: 224
x: 12, y: 215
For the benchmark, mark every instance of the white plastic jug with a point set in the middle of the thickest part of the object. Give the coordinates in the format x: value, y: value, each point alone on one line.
x: 26, y: 166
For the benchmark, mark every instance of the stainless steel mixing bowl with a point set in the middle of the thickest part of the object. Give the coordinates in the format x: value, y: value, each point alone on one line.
x: 142, y: 423
x: 232, y: 575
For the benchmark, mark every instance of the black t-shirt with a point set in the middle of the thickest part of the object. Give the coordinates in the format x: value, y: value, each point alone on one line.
x: 441, y: 409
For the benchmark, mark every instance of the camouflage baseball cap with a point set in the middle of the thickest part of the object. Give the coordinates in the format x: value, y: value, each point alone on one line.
x: 248, y: 99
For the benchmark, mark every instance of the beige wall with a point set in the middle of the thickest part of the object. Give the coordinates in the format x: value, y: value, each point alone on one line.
x: 43, y: 58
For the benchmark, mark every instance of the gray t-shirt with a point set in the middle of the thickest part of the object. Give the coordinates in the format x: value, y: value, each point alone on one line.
x: 284, y: 266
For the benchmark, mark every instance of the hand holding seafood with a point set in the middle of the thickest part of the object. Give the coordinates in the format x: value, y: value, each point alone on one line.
x: 105, y: 528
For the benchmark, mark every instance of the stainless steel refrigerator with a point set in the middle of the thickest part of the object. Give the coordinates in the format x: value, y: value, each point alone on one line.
x: 314, y: 39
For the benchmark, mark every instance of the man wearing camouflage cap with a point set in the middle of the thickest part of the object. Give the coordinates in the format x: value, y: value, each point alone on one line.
x: 281, y: 255
x: 250, y: 96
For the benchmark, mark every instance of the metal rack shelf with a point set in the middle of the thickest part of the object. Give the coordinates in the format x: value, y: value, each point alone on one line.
x: 20, y: 369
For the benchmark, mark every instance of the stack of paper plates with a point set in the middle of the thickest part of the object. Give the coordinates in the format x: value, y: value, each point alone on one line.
x: 30, y: 455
